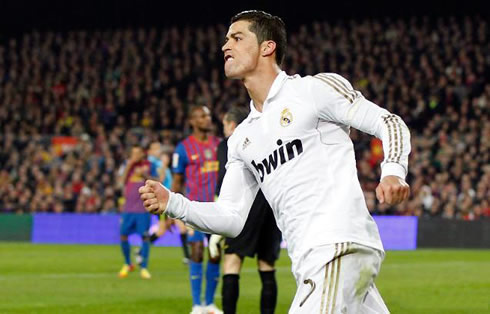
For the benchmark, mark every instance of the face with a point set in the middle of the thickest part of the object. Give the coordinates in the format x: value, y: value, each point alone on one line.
x: 137, y: 154
x: 201, y: 119
x: 155, y: 149
x: 228, y: 127
x: 241, y: 50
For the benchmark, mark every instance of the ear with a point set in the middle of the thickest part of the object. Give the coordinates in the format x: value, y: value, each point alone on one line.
x: 267, y: 48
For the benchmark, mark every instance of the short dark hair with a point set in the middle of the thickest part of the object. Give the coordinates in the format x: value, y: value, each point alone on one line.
x: 266, y: 27
x: 236, y: 114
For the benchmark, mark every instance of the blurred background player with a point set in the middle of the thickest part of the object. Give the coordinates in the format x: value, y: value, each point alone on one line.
x: 195, y: 165
x: 135, y: 219
x: 160, y: 168
x: 260, y: 236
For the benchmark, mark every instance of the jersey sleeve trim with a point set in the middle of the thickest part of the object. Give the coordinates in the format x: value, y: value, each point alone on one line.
x: 340, y: 87
x: 395, y: 137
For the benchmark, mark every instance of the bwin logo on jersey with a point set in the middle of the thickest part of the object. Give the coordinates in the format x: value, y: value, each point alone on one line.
x: 278, y: 157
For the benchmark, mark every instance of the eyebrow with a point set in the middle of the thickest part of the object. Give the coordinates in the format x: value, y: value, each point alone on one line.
x: 233, y: 35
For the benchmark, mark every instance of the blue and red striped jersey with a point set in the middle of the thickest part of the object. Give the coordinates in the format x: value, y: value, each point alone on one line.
x: 197, y: 161
x: 134, y: 181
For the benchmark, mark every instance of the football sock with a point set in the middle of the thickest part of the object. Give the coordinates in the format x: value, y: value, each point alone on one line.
x: 212, y: 279
x: 196, y: 281
x: 229, y: 293
x: 183, y: 239
x: 126, y: 250
x: 268, y: 297
x: 145, y: 252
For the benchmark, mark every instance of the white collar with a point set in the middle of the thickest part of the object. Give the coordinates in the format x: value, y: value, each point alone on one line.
x: 276, y: 86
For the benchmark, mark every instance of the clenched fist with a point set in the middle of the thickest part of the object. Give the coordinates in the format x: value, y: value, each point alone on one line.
x: 392, y: 190
x: 155, y: 197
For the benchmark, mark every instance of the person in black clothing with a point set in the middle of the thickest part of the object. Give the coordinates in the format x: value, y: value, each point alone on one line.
x: 260, y: 236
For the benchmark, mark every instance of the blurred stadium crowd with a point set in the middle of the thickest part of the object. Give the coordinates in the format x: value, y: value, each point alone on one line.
x: 72, y: 104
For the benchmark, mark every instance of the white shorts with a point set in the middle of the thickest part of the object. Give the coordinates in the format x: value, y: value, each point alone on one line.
x: 339, y: 278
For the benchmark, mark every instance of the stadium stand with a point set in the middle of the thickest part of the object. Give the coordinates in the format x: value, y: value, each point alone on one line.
x: 72, y: 103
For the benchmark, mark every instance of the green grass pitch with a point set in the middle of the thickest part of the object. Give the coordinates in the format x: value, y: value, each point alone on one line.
x: 83, y: 279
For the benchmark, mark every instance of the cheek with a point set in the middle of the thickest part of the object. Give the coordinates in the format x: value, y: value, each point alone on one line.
x: 251, y: 57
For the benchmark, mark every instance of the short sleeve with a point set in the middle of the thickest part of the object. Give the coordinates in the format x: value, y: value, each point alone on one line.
x: 179, y: 159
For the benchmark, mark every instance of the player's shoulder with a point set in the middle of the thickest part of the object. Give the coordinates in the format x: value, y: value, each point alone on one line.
x: 330, y: 79
x: 185, y: 140
x: 180, y: 148
x: 310, y: 83
x: 297, y: 81
x: 215, y: 140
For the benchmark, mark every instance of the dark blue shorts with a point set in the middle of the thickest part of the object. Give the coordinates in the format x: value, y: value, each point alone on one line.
x: 135, y: 223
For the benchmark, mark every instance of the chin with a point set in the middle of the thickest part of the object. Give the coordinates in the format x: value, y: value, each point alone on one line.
x: 233, y: 74
x: 230, y: 75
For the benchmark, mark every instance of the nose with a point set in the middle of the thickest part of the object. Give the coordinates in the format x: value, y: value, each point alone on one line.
x: 225, y: 46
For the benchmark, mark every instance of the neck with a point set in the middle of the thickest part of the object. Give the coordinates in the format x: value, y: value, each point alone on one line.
x: 259, y: 83
x: 201, y: 136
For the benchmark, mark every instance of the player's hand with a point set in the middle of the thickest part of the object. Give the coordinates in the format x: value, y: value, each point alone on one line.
x: 392, y: 190
x: 214, y: 247
x: 155, y: 197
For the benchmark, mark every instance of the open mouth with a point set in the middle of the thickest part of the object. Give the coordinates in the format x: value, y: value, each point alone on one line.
x: 228, y: 57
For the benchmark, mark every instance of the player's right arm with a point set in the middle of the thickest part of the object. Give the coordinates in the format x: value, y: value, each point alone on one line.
x: 226, y: 216
x: 126, y: 171
x: 177, y: 183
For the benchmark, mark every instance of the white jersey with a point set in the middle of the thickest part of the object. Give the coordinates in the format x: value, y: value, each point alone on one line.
x: 298, y: 151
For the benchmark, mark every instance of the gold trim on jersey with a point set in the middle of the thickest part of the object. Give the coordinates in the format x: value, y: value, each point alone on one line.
x: 350, y: 94
x: 395, y: 137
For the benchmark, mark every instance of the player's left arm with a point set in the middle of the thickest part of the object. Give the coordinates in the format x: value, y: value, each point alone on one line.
x: 337, y: 101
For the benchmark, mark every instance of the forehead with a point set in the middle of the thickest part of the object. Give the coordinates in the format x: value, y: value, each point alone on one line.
x: 241, y: 26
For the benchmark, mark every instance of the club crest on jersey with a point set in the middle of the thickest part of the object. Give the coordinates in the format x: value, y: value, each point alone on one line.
x: 278, y: 157
x: 208, y: 154
x: 286, y: 117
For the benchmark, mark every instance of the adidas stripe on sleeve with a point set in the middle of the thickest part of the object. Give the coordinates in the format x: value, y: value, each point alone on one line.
x: 337, y: 101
